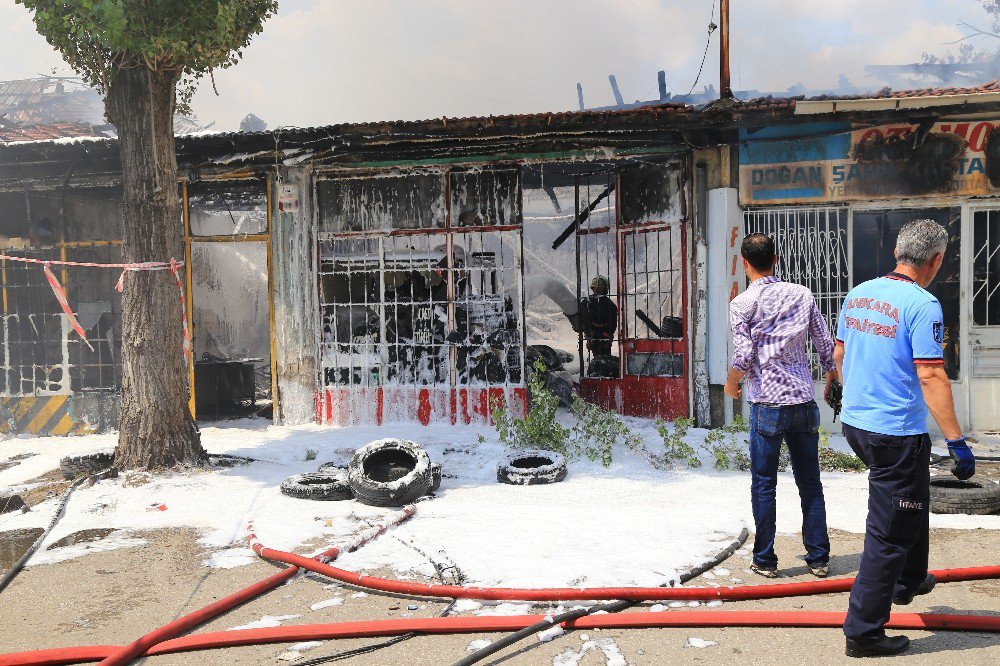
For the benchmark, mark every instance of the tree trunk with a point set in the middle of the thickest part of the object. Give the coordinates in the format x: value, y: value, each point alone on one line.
x: 156, y: 428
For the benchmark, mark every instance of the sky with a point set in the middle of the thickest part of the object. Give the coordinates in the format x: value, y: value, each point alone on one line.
x: 321, y: 62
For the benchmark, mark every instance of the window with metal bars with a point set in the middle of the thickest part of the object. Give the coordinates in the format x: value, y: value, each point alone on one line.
x: 812, y: 248
x: 98, y: 306
x: 34, y: 331
x: 986, y: 268
x: 408, y: 301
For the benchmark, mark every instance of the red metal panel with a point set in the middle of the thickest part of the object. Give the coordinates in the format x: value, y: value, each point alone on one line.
x: 426, y: 405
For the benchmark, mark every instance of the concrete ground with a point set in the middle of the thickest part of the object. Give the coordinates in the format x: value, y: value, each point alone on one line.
x: 113, y: 597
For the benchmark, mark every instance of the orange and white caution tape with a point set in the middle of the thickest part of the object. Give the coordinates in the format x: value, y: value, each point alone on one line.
x: 64, y: 304
x: 173, y: 266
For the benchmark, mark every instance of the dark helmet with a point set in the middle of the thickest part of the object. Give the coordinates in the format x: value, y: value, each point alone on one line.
x: 600, y: 285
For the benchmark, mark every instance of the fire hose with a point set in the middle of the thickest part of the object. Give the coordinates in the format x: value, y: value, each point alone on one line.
x: 737, y: 593
x: 135, y: 649
x: 451, y: 625
x: 471, y: 625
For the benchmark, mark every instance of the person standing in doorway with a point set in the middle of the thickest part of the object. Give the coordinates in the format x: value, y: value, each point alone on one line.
x: 771, y: 322
x: 889, y: 351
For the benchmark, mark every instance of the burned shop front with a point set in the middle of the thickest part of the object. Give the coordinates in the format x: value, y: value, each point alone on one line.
x: 351, y: 274
x: 60, y: 366
x: 835, y: 194
x: 441, y: 289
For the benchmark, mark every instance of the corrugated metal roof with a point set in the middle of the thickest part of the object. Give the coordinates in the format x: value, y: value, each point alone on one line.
x: 782, y: 103
x: 52, y: 132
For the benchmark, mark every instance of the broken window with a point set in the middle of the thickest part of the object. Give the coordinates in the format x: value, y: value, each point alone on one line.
x: 485, y: 198
x: 92, y: 214
x: 875, y: 234
x: 598, y: 286
x: 986, y: 268
x: 550, y: 297
x: 14, y: 229
x: 384, y: 202
x: 653, y: 264
x: 651, y: 192
x: 227, y: 208
x: 232, y: 327
x: 414, y: 305
x: 95, y: 300
x: 35, y: 332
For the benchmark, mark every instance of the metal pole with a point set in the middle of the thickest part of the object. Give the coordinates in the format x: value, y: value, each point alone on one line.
x: 725, y: 89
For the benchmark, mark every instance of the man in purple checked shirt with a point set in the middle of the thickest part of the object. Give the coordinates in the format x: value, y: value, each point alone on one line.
x: 771, y: 321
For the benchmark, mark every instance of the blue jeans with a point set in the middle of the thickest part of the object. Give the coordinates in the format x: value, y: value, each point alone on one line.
x: 798, y: 426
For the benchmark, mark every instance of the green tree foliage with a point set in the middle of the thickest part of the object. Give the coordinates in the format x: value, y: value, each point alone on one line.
x: 189, y: 37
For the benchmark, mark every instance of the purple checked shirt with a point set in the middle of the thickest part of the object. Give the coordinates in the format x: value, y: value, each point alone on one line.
x: 770, y: 321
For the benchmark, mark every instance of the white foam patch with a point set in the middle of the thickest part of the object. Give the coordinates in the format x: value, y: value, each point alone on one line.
x: 320, y: 605
x: 265, y: 622
x: 477, y: 645
x: 230, y: 558
x: 497, y: 534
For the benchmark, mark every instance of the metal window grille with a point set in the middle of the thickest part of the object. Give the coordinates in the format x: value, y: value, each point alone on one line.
x: 34, y: 334
x: 986, y: 268
x: 597, y: 257
x: 653, y: 271
x: 407, y: 306
x: 812, y: 246
x: 92, y: 295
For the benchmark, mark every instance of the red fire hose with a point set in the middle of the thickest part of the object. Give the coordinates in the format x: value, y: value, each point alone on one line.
x: 135, y: 649
x: 740, y: 593
x: 163, y: 640
x: 466, y: 625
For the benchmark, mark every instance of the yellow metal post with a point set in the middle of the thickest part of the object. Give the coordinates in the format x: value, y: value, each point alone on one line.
x: 190, y: 295
x: 270, y: 302
x: 3, y: 277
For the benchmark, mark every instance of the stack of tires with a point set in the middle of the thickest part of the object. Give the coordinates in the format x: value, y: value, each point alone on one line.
x: 384, y: 473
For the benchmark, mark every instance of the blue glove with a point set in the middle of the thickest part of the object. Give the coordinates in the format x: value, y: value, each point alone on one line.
x: 965, y: 461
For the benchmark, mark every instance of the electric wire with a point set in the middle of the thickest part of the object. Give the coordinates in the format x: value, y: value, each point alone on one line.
x: 708, y: 41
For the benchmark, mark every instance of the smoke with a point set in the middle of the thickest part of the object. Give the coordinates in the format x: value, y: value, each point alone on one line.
x: 355, y: 60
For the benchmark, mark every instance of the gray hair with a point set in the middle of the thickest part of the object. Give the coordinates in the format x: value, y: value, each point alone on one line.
x: 919, y: 241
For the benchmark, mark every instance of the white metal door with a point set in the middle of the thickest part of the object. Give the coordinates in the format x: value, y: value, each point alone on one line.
x: 983, y: 266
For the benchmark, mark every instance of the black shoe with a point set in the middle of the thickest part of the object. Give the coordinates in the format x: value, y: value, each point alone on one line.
x: 905, y: 598
x: 885, y: 646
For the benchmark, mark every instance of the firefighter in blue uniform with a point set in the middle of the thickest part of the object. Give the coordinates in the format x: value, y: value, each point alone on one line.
x: 890, y: 356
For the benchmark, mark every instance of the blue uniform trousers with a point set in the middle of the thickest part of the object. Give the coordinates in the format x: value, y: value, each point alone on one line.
x: 896, y: 537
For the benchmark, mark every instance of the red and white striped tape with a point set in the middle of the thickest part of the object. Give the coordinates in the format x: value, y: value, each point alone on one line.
x: 173, y: 266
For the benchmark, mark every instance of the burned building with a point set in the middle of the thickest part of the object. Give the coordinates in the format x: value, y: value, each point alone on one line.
x: 369, y: 273
x: 835, y: 179
x: 420, y: 270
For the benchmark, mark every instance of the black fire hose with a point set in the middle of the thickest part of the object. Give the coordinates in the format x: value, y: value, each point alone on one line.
x: 19, y: 565
x: 614, y: 607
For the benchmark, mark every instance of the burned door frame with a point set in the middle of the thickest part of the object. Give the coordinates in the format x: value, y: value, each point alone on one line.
x: 446, y: 400
x: 190, y: 239
x: 630, y: 394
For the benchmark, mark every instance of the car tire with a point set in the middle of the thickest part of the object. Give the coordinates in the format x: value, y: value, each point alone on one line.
x: 977, y: 496
x: 325, y: 486
x: 532, y: 467
x: 93, y: 463
x: 389, y: 473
